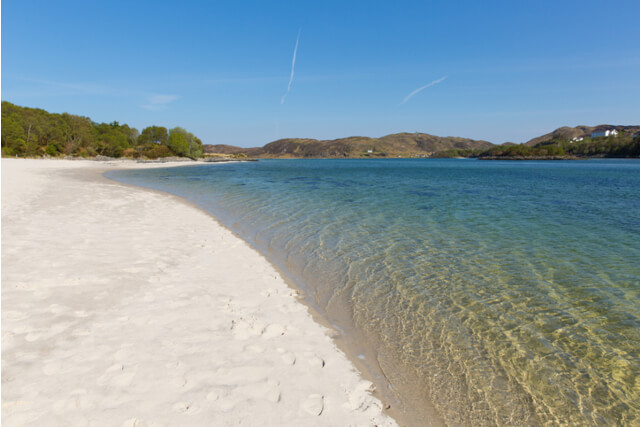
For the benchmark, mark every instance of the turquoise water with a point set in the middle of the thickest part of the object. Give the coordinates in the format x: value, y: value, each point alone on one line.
x: 482, y: 293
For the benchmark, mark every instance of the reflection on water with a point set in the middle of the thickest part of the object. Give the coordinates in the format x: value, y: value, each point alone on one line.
x: 498, y: 292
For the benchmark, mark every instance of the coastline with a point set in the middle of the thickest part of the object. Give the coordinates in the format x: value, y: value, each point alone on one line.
x: 360, y: 349
x: 153, y: 312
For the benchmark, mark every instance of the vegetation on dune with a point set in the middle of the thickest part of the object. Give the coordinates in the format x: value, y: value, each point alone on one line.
x: 32, y: 132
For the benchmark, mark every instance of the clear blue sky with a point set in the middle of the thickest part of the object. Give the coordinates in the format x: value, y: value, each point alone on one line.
x: 512, y: 69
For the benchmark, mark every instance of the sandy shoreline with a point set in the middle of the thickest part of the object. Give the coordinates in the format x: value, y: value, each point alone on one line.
x: 122, y: 306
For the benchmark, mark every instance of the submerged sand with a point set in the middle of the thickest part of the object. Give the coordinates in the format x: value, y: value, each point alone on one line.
x: 122, y: 306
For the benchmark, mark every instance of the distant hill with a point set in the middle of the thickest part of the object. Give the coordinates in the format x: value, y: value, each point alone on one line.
x: 223, y: 149
x: 571, y: 143
x: 568, y: 133
x: 399, y: 144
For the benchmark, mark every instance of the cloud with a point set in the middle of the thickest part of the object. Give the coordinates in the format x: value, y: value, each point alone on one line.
x: 159, y: 102
x: 293, y: 65
x: 433, y: 83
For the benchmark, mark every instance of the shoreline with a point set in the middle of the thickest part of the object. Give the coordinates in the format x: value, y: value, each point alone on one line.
x: 318, y: 383
x: 359, y: 350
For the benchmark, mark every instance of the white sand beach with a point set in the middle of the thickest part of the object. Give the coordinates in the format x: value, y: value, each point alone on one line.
x: 128, y: 307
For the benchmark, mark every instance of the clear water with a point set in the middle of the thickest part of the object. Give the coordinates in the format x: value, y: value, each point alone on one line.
x: 492, y: 293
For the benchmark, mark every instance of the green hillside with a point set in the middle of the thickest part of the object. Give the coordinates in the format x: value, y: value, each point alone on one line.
x: 574, y: 142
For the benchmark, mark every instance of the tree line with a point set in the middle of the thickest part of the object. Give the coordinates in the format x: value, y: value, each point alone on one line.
x: 33, y: 132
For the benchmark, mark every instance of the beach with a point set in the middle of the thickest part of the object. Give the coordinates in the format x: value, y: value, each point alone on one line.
x: 123, y: 306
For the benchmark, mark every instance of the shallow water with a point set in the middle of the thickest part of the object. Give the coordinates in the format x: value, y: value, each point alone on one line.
x: 495, y: 293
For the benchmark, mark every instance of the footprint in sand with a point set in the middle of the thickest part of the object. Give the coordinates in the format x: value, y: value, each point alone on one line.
x: 314, y: 361
x: 273, y: 395
x: 228, y: 305
x: 359, y: 401
x: 173, y: 365
x: 115, y: 376
x: 244, y: 329
x: 186, y: 408
x: 274, y: 330
x: 213, y: 395
x: 289, y: 358
x: 268, y: 292
x: 268, y: 389
x: 314, y: 404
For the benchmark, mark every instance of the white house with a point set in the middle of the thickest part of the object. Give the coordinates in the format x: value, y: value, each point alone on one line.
x: 606, y: 133
x: 577, y: 139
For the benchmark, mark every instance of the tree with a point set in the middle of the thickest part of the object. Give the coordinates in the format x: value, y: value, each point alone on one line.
x: 153, y: 135
x: 112, y: 139
x: 77, y: 133
x: 194, y: 145
x: 13, y: 136
x: 178, y: 143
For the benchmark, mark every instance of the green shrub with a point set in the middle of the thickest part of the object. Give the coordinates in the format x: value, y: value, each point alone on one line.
x: 157, y: 151
x: 52, y: 150
x: 178, y: 143
x: 8, y: 152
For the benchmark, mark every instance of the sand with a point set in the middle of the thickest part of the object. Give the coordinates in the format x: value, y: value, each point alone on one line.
x: 127, y: 307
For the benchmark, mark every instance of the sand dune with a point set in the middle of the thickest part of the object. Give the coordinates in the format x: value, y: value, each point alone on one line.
x: 122, y: 306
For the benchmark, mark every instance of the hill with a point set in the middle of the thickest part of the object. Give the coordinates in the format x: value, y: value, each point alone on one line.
x: 223, y: 149
x: 571, y: 143
x: 568, y: 133
x: 399, y: 144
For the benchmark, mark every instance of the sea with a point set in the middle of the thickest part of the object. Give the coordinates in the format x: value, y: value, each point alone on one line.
x: 473, y: 292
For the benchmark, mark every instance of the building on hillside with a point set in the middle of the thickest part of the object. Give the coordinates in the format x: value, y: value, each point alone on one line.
x: 577, y: 139
x: 606, y: 133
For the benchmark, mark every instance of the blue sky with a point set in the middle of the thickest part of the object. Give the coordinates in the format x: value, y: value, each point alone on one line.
x: 497, y: 70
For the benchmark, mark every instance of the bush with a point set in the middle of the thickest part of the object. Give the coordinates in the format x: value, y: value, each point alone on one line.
x: 156, y: 152
x: 51, y: 150
x: 130, y: 153
x: 178, y: 143
x: 8, y: 152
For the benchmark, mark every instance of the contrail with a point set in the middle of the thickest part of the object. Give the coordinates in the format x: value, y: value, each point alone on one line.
x: 433, y: 83
x: 293, y: 65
